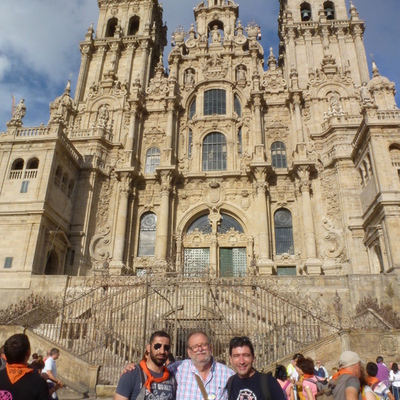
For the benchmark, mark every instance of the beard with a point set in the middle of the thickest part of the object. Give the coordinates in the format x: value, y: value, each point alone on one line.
x: 160, y: 360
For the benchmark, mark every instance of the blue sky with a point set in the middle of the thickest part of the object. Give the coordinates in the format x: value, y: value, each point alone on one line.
x: 39, y: 43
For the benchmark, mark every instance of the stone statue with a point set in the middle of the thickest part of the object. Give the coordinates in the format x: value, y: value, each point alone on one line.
x: 19, y: 111
x: 365, y: 94
x: 189, y: 76
x: 104, y: 116
x: 215, y: 35
x: 241, y: 73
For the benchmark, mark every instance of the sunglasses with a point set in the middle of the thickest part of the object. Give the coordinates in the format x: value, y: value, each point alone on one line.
x: 157, y: 346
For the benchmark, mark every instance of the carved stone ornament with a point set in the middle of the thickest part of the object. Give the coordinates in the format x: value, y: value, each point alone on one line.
x: 214, y: 67
x: 334, y: 240
x: 99, y: 249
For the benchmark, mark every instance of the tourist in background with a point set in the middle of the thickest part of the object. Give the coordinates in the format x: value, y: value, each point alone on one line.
x: 283, y: 380
x: 394, y: 377
x: 320, y: 370
x: 309, y: 384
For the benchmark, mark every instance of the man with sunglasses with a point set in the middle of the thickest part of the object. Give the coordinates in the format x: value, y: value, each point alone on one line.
x: 151, y: 380
x: 248, y: 383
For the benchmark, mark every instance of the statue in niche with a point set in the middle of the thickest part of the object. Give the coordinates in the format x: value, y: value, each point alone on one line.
x: 189, y: 78
x: 241, y: 73
x: 104, y: 116
x: 365, y: 94
x: 215, y: 35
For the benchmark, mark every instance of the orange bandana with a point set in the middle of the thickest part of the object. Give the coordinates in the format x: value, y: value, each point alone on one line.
x: 306, y: 376
x: 341, y: 372
x: 16, y: 371
x: 371, y: 381
x: 150, y: 377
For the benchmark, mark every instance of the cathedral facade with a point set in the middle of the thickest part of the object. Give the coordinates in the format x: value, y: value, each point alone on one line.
x: 229, y: 162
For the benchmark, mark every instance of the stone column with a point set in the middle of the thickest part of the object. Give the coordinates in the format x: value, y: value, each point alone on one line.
x: 312, y: 264
x: 257, y: 119
x: 299, y: 121
x: 360, y: 52
x: 83, y: 71
x: 102, y: 51
x: 264, y: 262
x: 128, y: 65
x: 117, y: 263
x: 163, y: 217
x: 167, y: 151
x: 131, y: 135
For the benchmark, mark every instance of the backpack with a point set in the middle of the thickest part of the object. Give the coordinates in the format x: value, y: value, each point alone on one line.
x: 284, y: 387
x: 324, y: 389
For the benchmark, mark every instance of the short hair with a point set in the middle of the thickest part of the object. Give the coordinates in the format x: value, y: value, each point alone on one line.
x: 2, y: 350
x: 16, y: 348
x: 280, y: 372
x: 379, y: 359
x: 306, y: 365
x: 395, y: 368
x: 159, y: 334
x: 372, y: 369
x: 240, y: 341
x: 35, y: 356
x: 297, y: 356
x: 198, y: 333
x: 53, y: 351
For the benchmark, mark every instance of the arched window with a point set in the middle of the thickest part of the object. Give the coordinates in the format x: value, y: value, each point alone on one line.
x: 329, y: 9
x: 190, y: 143
x: 111, y: 27
x: 152, y: 160
x: 70, y: 188
x: 305, y: 11
x: 278, y: 155
x: 18, y: 165
x: 16, y: 169
x: 214, y: 152
x: 33, y: 163
x: 240, y: 142
x: 192, y: 109
x: 64, y: 183
x: 215, y: 102
x: 202, y: 224
x: 227, y: 223
x: 283, y: 232
x: 238, y: 107
x: 51, y: 263
x: 394, y: 151
x: 147, y: 235
x: 133, y: 25
x: 58, y: 176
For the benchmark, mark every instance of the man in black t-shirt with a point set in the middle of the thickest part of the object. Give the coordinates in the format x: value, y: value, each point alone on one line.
x: 17, y: 380
x: 247, y: 383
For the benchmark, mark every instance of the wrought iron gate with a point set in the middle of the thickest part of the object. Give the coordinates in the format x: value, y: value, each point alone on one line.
x: 107, y: 321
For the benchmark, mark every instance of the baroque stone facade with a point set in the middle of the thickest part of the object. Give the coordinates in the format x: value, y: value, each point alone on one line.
x: 220, y: 166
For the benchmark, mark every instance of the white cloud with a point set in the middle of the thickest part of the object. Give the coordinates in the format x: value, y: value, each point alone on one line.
x: 42, y: 37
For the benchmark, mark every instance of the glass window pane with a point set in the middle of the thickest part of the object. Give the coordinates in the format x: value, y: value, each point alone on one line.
x: 147, y: 235
x: 192, y: 109
x: 196, y: 262
x: 283, y: 232
x: 202, y: 224
x: 232, y: 262
x: 227, y: 222
x: 278, y: 155
x: 214, y: 152
x: 286, y: 271
x: 215, y: 102
x: 238, y: 107
x: 152, y: 160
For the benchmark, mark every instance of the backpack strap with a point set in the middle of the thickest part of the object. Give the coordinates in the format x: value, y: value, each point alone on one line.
x: 143, y: 378
x: 264, y: 387
x: 229, y: 385
x: 286, y: 385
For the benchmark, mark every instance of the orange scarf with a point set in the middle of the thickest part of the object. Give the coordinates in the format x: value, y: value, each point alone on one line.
x: 16, y: 371
x: 371, y: 381
x: 306, y: 376
x: 341, y: 372
x: 150, y: 377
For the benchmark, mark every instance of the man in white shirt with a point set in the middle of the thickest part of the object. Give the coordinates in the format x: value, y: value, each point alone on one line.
x: 50, y: 368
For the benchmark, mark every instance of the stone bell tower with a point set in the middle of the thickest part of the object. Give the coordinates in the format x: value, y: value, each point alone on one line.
x: 128, y: 43
x: 311, y: 30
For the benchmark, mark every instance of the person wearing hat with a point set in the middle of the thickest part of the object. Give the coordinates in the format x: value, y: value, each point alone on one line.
x: 346, y: 383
